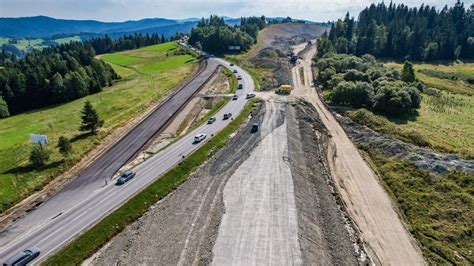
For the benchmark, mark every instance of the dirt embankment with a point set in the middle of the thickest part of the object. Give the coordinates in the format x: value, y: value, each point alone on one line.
x: 326, y: 234
x: 274, y: 44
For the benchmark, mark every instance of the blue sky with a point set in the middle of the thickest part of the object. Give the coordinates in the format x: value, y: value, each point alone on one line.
x: 120, y: 10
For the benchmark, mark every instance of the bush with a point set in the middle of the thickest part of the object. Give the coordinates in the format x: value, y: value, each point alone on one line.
x: 325, y: 75
x: 39, y: 155
x: 392, y: 101
x: 355, y: 75
x: 353, y: 94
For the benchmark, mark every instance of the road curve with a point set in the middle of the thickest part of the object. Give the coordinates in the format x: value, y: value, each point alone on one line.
x: 88, y: 199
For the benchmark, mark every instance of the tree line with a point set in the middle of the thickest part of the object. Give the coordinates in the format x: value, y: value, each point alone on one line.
x: 214, y: 35
x: 50, y: 76
x: 400, y: 32
x: 103, y: 45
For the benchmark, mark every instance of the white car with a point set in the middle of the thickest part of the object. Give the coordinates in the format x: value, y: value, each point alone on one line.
x: 199, y: 137
x: 250, y: 95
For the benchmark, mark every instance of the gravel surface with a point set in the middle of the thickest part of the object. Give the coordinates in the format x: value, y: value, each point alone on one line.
x: 259, y: 225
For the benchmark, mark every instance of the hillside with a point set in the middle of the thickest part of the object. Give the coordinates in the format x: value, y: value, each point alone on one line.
x: 148, y: 74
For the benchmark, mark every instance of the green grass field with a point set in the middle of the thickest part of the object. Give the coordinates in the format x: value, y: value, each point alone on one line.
x: 445, y: 118
x: 439, y: 211
x: 116, y: 105
x: 29, y: 44
x: 68, y: 39
x: 447, y: 83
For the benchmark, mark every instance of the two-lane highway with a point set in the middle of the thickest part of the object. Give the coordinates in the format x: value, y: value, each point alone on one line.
x: 72, y: 211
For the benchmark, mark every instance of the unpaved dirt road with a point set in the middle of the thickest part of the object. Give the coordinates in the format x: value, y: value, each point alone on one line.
x: 368, y: 204
x: 259, y: 225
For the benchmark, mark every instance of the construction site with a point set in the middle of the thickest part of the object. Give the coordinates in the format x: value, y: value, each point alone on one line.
x: 297, y: 191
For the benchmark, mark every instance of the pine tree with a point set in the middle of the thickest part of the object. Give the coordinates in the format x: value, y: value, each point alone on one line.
x: 90, y: 119
x: 408, y: 74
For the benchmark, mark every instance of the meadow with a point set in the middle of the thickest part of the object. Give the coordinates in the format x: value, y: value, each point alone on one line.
x: 444, y: 119
x: 27, y: 45
x: 144, y: 81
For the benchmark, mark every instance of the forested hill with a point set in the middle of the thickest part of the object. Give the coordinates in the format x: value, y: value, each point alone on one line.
x: 400, y: 32
x: 214, y: 35
x: 52, y: 75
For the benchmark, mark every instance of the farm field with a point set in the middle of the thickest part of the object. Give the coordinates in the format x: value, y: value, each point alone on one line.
x: 144, y: 81
x: 27, y: 45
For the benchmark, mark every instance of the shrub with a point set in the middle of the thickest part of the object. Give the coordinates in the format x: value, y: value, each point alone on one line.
x: 354, y: 75
x: 353, y: 94
x: 392, y: 101
x: 39, y: 155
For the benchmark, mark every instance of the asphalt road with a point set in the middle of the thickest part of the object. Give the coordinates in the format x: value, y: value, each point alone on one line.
x: 87, y: 199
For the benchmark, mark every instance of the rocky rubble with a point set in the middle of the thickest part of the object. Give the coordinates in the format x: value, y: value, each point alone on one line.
x: 391, y: 147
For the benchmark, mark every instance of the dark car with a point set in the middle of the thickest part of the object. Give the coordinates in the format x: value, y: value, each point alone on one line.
x: 254, y: 127
x: 227, y: 116
x: 235, y: 71
x: 231, y: 64
x: 239, y: 78
x: 235, y: 97
x: 23, y: 257
x: 211, y: 120
x: 125, y: 177
x: 240, y: 86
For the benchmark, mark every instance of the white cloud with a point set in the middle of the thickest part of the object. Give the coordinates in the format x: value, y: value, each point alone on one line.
x: 119, y: 10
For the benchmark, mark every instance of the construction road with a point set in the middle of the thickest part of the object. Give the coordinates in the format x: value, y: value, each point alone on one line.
x: 259, y: 225
x: 87, y: 199
x: 368, y: 204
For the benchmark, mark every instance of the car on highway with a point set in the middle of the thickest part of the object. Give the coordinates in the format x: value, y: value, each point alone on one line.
x: 23, y: 257
x: 250, y: 95
x: 227, y: 116
x: 254, y: 128
x: 240, y: 87
x: 199, y: 137
x: 235, y: 97
x: 125, y: 177
x: 211, y: 120
x: 235, y: 71
x: 231, y: 64
x: 239, y: 78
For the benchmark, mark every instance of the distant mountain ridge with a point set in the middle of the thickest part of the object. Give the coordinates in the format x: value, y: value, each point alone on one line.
x: 43, y: 26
